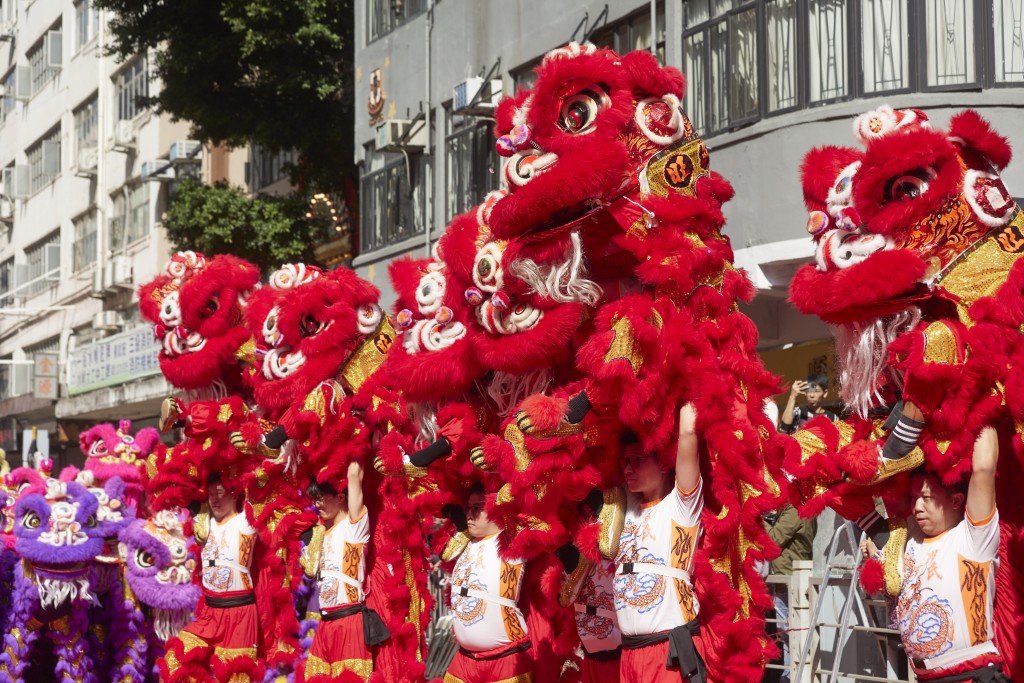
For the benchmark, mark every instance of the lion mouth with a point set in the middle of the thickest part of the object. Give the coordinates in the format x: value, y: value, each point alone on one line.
x: 59, y: 568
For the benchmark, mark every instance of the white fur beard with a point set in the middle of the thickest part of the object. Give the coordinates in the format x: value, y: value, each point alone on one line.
x: 168, y: 622
x: 425, y: 417
x: 863, y: 352
x: 507, y: 390
x: 564, y: 281
x: 55, y: 592
x: 217, y: 391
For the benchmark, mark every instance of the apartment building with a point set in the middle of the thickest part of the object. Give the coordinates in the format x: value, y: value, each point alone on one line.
x: 87, y: 171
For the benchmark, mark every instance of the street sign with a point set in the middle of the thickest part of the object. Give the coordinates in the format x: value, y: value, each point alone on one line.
x: 44, y: 387
x: 46, y: 364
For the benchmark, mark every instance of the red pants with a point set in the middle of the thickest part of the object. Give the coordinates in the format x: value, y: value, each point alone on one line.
x: 647, y: 664
x: 222, y: 641
x: 594, y: 671
x: 338, y: 646
x: 514, y: 668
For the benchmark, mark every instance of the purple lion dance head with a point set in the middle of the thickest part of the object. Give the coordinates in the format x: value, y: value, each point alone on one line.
x: 115, y: 452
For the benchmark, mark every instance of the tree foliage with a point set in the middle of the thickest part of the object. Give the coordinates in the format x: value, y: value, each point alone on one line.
x: 275, y: 72
x: 267, y: 231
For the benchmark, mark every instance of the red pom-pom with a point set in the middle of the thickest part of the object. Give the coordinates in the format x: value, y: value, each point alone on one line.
x: 860, y: 460
x: 872, y: 576
x: 544, y: 412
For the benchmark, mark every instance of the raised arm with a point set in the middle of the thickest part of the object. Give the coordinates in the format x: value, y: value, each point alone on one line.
x: 687, y: 458
x: 786, y: 420
x: 355, y: 489
x: 981, y: 492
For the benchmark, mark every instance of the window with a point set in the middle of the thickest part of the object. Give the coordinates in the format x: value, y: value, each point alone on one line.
x: 1009, y: 41
x: 7, y: 105
x: 43, y: 260
x: 44, y: 59
x: 43, y: 161
x: 391, y: 199
x: 633, y: 33
x: 87, y: 21
x: 6, y: 282
x: 49, y: 346
x: 129, y: 221
x: 472, y: 168
x: 131, y: 84
x: 885, y: 45
x: 266, y: 167
x: 747, y: 59
x: 85, y: 241
x: 383, y: 16
x: 87, y: 125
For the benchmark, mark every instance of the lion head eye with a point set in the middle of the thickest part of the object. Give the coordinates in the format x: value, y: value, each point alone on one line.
x: 209, y: 309
x: 910, y: 185
x: 579, y: 111
x: 30, y: 520
x: 90, y: 522
x: 310, y: 326
x: 143, y: 559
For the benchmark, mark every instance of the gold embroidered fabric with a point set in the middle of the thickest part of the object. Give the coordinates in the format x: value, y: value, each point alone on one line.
x: 940, y: 344
x: 368, y: 356
x: 361, y: 667
x: 310, y: 560
x: 892, y: 556
x: 612, y: 519
x: 677, y: 168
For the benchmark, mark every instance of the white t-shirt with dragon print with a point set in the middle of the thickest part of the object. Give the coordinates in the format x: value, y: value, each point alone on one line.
x: 663, y: 532
x: 227, y: 555
x: 481, y: 624
x: 598, y: 627
x: 944, y: 609
x: 343, y: 554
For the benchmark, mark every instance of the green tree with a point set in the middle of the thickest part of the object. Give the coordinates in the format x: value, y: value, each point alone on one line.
x: 265, y: 230
x: 275, y: 72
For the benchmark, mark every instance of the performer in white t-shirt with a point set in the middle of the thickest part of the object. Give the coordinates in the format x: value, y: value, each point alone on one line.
x: 944, y: 609
x: 222, y: 639
x: 340, y: 560
x: 654, y: 598
x: 488, y: 624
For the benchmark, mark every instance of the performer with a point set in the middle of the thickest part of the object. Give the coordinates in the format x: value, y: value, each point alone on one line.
x: 654, y: 599
x: 340, y: 644
x: 488, y: 626
x: 223, y: 639
x: 598, y: 627
x: 944, y: 609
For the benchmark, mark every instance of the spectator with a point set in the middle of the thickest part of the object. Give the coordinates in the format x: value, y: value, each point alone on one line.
x: 795, y: 537
x: 815, y: 388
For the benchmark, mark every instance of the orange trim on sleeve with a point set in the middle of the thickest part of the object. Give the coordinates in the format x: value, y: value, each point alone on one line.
x: 361, y: 515
x: 687, y: 494
x: 981, y: 522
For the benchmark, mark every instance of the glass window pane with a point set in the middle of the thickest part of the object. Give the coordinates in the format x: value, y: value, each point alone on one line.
x: 782, y: 51
x: 949, y: 42
x: 828, y: 67
x: 720, y: 7
x: 719, y: 90
x: 885, y: 45
x: 1009, y: 41
x: 743, y: 55
x: 696, y: 12
x: 693, y: 66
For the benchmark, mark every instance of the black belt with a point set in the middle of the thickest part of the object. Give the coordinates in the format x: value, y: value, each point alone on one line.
x: 984, y: 674
x: 375, y: 631
x: 603, y: 655
x: 236, y: 601
x: 521, y: 646
x: 681, y: 650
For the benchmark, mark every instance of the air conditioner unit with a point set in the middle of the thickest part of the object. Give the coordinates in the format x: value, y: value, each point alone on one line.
x: 121, y: 272
x: 16, y: 181
x: 107, y: 320
x: 88, y: 160
x: 468, y: 100
x: 157, y: 169
x: 395, y: 135
x: 124, y: 136
x: 184, y: 151
x: 54, y: 50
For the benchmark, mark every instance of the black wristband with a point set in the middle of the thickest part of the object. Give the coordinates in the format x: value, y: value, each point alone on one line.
x: 436, y: 450
x: 275, y: 438
x: 579, y: 406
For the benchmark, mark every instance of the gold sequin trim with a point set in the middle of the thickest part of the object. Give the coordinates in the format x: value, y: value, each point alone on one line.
x: 190, y: 641
x: 624, y: 345
x: 311, y: 560
x: 940, y: 344
x: 612, y: 518
x: 368, y: 356
x: 360, y: 667
x: 892, y: 556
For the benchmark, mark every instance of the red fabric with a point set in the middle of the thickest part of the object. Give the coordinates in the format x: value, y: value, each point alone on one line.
x: 593, y: 671
x: 647, y: 664
x: 337, y: 641
x: 231, y: 627
x: 963, y: 667
x: 471, y: 670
